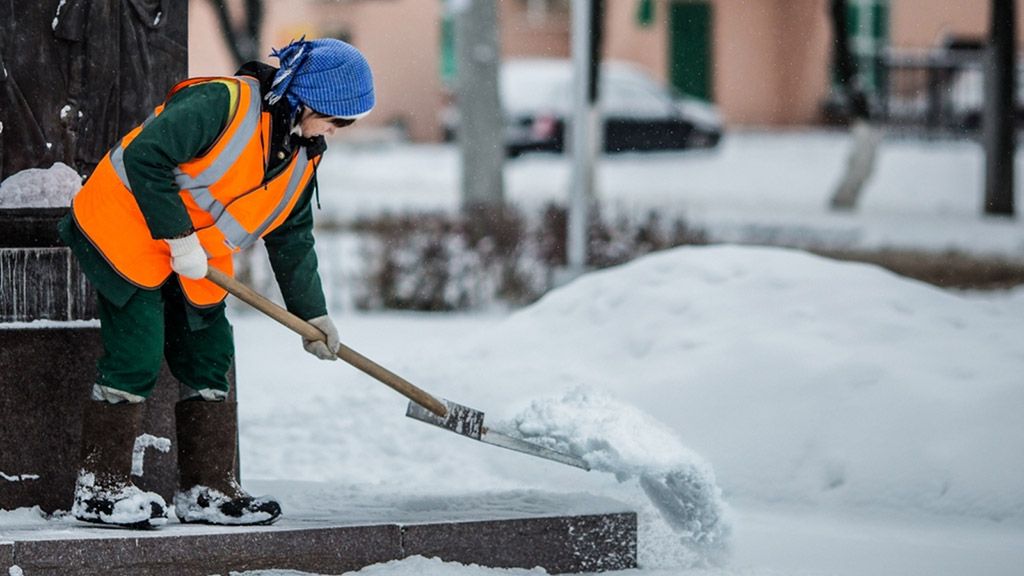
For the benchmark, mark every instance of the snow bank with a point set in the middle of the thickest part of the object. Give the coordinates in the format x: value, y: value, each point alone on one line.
x: 801, y: 380
x: 52, y: 187
x: 797, y: 377
x: 755, y: 187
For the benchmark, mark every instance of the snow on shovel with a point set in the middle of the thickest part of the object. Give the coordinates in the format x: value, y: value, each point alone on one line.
x: 443, y: 413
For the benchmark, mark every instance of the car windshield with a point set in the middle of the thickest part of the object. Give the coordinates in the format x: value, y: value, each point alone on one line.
x: 535, y: 86
x: 531, y: 86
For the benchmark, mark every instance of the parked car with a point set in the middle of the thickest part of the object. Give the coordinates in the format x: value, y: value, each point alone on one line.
x: 639, y: 113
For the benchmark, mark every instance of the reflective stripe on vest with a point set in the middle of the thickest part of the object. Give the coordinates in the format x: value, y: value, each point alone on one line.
x: 234, y: 233
x: 198, y: 186
x: 117, y: 155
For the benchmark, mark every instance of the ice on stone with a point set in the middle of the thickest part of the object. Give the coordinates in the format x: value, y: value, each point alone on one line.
x: 139, y: 451
x: 56, y: 17
x: 52, y: 187
x: 18, y: 477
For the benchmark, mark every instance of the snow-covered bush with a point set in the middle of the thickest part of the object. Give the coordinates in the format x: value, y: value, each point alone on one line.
x: 442, y: 262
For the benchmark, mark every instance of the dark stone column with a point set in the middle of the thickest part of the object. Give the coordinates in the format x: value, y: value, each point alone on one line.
x: 75, y: 75
x: 47, y: 376
x: 595, y: 543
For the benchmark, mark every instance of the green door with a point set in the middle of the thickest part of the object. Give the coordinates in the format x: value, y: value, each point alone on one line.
x: 690, y: 48
x: 867, y: 25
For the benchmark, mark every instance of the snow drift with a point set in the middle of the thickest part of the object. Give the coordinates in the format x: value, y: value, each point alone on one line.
x: 799, y: 378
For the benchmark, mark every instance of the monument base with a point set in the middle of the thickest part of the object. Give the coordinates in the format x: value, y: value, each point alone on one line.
x: 559, y: 544
x: 48, y: 369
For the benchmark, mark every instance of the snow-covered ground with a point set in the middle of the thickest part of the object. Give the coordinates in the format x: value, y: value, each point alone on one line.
x: 755, y: 187
x: 856, y: 423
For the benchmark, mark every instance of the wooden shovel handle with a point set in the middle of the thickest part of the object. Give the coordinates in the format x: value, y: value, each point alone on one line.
x: 310, y: 332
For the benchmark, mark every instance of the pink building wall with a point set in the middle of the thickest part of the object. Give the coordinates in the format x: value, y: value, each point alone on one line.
x: 771, y: 58
x: 400, y: 39
x: 924, y: 23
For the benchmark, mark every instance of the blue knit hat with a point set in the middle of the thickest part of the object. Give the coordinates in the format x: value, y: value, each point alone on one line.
x: 327, y: 75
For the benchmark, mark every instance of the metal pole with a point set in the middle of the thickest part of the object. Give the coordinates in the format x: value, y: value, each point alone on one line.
x: 999, y: 115
x: 585, y: 123
x: 480, y: 128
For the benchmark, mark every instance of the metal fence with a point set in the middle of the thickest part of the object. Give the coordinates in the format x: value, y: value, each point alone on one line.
x: 934, y: 93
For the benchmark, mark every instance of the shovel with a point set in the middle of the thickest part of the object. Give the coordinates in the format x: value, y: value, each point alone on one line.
x: 443, y: 413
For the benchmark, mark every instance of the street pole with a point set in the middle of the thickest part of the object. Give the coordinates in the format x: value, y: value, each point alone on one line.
x: 479, y: 132
x: 1000, y: 110
x: 586, y: 124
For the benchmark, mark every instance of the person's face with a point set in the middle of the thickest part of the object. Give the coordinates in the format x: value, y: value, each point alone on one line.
x: 313, y: 124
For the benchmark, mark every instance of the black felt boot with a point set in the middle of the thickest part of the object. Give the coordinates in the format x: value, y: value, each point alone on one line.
x: 104, y: 492
x: 208, y: 492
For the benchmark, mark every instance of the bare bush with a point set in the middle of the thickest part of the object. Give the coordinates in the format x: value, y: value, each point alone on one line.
x: 440, y: 262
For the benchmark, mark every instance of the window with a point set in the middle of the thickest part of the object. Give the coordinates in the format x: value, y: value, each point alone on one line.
x: 624, y: 98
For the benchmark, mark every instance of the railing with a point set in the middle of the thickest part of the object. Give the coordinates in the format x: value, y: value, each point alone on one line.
x: 934, y: 93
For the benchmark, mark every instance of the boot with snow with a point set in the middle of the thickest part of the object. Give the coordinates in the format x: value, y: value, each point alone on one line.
x: 104, y: 492
x: 208, y: 492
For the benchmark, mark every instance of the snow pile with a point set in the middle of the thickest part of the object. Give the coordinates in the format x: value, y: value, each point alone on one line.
x: 799, y: 378
x: 52, y: 187
x: 33, y: 516
x: 414, y: 566
x: 808, y: 384
x: 418, y: 565
x: 617, y: 438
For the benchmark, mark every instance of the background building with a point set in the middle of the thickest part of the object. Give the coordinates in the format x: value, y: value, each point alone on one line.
x: 763, y: 62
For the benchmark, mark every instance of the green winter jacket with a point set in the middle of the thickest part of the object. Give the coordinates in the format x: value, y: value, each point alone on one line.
x: 189, y: 125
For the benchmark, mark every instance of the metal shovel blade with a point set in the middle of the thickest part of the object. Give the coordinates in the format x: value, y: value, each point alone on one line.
x: 468, y: 422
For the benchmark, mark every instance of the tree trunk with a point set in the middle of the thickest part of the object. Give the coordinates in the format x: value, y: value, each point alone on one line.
x: 243, y: 41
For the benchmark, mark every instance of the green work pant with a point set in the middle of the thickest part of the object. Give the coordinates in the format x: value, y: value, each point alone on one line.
x: 157, y: 324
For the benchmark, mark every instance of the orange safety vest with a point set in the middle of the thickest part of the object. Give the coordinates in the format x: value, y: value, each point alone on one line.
x: 230, y: 205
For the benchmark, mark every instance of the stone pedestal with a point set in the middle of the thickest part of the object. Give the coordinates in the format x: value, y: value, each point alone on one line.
x: 46, y: 375
x: 49, y: 344
x: 559, y: 544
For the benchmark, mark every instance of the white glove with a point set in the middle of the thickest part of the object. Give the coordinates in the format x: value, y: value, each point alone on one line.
x: 323, y: 351
x: 188, y: 258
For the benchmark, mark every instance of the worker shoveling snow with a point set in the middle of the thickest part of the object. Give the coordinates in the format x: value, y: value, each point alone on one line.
x: 620, y: 439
